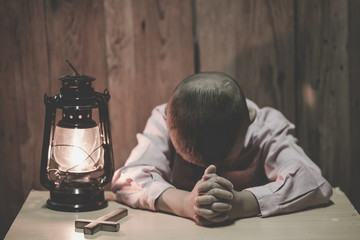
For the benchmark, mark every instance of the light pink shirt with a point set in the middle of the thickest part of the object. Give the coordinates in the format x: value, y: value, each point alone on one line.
x: 271, y: 166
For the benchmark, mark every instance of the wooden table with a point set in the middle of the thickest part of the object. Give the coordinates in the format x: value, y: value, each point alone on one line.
x: 338, y: 221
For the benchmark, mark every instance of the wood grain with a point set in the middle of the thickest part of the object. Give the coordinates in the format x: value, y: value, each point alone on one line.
x: 75, y: 31
x: 301, y: 57
x: 252, y: 41
x: 149, y: 51
x: 354, y: 101
x: 24, y: 73
x: 323, y: 87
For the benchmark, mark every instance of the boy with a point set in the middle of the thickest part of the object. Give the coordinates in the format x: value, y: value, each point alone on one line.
x: 211, y: 155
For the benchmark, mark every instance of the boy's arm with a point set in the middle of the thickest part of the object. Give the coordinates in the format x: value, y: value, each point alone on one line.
x: 295, y: 181
x: 144, y: 176
x: 244, y: 205
x: 176, y: 201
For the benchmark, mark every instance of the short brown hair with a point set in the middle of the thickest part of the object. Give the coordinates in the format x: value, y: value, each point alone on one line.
x: 205, y: 114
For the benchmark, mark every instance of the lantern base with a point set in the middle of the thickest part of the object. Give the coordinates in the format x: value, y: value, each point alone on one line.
x: 77, y: 200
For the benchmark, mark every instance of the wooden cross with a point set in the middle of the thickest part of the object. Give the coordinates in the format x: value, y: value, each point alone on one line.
x: 104, y: 223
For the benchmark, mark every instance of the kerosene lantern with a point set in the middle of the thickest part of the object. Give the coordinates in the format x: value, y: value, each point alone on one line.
x: 77, y: 158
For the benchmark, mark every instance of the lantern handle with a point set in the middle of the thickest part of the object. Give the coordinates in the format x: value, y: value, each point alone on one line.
x: 72, y: 67
x: 102, y: 101
x: 50, y: 112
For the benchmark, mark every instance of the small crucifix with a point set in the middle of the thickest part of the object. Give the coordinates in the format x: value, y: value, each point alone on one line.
x: 104, y: 223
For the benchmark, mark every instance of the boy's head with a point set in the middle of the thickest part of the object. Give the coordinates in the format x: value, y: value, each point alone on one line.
x: 207, y: 117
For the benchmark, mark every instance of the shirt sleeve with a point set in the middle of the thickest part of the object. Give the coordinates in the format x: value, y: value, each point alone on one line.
x: 295, y: 181
x: 143, y: 178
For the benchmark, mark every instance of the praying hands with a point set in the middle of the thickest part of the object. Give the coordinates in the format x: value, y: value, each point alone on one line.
x: 217, y: 201
x: 212, y: 201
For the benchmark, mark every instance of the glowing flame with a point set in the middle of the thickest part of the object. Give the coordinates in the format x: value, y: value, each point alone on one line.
x: 77, y: 150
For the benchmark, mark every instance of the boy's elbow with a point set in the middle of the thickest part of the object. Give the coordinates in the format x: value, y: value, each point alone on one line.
x: 325, y: 192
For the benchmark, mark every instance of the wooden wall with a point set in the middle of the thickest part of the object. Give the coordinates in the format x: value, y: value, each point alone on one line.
x: 301, y: 57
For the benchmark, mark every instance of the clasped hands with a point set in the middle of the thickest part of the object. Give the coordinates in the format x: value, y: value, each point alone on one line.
x: 212, y: 201
x: 213, y: 198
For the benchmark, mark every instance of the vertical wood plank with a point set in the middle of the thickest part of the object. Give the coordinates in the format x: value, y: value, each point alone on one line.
x: 149, y: 51
x: 252, y: 41
x: 322, y: 77
x: 354, y: 87
x: 75, y: 31
x: 24, y: 72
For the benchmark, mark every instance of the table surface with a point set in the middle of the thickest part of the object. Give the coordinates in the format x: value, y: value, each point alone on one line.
x: 337, y: 221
